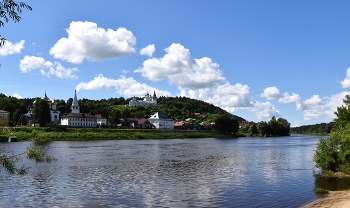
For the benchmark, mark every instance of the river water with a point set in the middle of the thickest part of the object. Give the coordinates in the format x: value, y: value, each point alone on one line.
x: 241, y: 172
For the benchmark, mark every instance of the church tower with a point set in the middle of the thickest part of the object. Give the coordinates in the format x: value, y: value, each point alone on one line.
x: 154, y: 97
x: 75, y: 105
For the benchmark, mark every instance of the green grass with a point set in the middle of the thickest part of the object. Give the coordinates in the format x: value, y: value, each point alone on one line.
x: 78, y: 134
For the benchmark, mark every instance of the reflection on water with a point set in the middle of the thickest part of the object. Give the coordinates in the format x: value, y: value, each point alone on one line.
x: 332, y: 183
x: 244, y: 172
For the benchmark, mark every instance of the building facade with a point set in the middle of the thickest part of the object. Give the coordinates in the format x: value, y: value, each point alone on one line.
x: 54, y: 113
x: 77, y: 119
x: 4, y: 118
x: 161, y: 121
x: 148, y: 100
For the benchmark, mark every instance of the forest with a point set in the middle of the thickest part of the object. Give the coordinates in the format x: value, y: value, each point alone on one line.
x: 322, y: 128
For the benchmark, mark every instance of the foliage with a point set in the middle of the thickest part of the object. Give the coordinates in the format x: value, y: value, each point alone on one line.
x: 333, y: 152
x: 37, y: 154
x: 321, y: 191
x: 321, y: 128
x: 41, y: 111
x: 226, y: 124
x: 10, y: 10
x: 275, y: 127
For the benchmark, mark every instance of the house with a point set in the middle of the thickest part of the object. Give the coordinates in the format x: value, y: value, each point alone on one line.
x: 101, y: 121
x: 142, y: 123
x: 4, y: 118
x: 77, y: 119
x: 161, y: 121
x: 179, y: 125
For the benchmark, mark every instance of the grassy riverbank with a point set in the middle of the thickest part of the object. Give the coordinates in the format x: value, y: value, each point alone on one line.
x: 79, y: 134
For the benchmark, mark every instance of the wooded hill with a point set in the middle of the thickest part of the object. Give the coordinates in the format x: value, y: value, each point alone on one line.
x: 178, y: 108
x: 322, y: 128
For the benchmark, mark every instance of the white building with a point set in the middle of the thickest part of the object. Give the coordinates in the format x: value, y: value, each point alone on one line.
x: 148, y: 100
x: 77, y: 119
x: 54, y: 113
x: 161, y: 121
x: 101, y: 120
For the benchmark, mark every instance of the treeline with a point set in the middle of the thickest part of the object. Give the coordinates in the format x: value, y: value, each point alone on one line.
x: 322, y: 128
x: 275, y: 127
x: 114, y: 109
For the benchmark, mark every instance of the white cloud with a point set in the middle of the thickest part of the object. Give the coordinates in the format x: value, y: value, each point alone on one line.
x: 29, y: 63
x: 87, y: 41
x: 148, y: 50
x: 271, y: 93
x: 346, y: 82
x: 289, y: 98
x: 264, y: 110
x: 9, y: 48
x: 59, y: 71
x: 179, y: 68
x: 16, y: 95
x: 124, y: 86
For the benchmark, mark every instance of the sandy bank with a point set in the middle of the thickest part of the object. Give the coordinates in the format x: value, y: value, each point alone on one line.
x: 334, y: 199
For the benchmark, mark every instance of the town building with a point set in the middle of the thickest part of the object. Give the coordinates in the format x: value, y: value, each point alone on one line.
x: 4, y: 118
x: 77, y: 119
x: 161, y: 121
x: 148, y: 100
x: 54, y: 113
x: 101, y: 121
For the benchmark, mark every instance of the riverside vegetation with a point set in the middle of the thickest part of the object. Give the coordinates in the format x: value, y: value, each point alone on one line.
x: 333, y: 152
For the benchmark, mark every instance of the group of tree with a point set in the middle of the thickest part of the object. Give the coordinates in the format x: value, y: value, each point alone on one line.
x: 322, y: 128
x: 275, y: 127
x: 333, y: 152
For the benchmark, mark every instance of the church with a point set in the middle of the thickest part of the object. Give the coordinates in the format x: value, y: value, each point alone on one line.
x: 77, y: 119
x: 54, y: 113
x: 148, y: 100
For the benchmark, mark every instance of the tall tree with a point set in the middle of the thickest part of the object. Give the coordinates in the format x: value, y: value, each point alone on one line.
x: 41, y: 112
x: 226, y: 124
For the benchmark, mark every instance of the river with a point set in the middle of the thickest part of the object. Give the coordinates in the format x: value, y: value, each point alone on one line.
x: 241, y: 172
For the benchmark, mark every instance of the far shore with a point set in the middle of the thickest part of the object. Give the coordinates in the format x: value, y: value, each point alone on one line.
x: 334, y: 199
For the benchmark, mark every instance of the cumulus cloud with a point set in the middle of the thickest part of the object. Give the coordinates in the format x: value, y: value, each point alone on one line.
x: 29, y: 63
x: 181, y: 69
x: 87, y: 41
x: 9, y: 48
x: 148, y: 50
x: 317, y: 107
x: 16, y: 95
x: 264, y: 110
x: 346, y: 82
x: 286, y: 98
x: 59, y: 71
x: 271, y: 93
x: 126, y: 86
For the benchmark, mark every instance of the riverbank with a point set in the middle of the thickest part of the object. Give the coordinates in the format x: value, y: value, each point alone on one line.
x: 334, y: 199
x: 79, y: 134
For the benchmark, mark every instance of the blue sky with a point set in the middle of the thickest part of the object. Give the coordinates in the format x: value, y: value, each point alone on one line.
x: 256, y: 59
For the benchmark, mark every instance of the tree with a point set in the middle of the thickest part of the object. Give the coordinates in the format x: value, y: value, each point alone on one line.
x: 10, y: 10
x: 226, y: 124
x: 41, y: 112
x: 283, y: 127
x: 253, y: 130
x: 333, y: 152
x: 263, y: 128
x: 37, y: 154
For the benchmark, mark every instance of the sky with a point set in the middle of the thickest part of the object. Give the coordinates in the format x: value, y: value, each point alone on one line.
x: 255, y: 59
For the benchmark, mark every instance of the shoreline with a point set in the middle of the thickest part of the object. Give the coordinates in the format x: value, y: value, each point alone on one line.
x: 334, y: 199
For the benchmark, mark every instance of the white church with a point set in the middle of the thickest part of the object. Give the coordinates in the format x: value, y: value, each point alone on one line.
x: 77, y: 119
x: 148, y: 100
x: 54, y: 113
